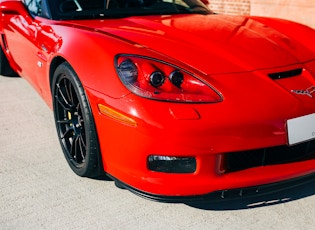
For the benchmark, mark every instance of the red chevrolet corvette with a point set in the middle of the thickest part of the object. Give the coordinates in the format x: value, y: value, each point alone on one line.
x: 169, y: 99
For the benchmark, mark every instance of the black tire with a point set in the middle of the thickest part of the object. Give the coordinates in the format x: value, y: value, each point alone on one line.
x: 5, y: 68
x: 74, y: 122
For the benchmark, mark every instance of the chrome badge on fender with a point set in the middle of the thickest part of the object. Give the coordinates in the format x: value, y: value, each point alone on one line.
x: 309, y: 91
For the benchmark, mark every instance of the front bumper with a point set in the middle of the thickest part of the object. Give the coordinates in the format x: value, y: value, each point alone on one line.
x: 207, y: 132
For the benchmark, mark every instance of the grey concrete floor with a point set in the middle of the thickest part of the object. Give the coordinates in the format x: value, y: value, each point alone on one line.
x: 39, y: 191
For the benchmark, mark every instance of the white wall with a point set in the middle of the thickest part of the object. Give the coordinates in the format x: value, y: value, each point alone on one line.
x: 302, y: 11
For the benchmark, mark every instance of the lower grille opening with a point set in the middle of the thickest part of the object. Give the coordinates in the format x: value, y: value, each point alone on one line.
x: 237, y: 161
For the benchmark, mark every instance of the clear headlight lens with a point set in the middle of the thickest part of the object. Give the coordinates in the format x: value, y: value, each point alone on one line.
x: 158, y: 80
x: 128, y: 71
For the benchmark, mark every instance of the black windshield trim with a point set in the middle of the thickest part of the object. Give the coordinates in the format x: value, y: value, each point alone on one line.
x: 165, y: 8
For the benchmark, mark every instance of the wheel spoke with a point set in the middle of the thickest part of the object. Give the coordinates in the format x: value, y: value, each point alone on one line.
x: 80, y: 117
x: 82, y: 148
x: 64, y: 122
x: 62, y: 95
x: 74, y: 150
x: 78, y: 108
x: 67, y: 134
x: 77, y: 149
x: 83, y: 141
x: 65, y: 107
x: 69, y: 89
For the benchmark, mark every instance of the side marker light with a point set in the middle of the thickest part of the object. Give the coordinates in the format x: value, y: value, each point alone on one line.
x: 109, y: 112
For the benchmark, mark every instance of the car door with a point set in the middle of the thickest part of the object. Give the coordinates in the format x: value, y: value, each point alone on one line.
x: 30, y: 39
x: 20, y: 32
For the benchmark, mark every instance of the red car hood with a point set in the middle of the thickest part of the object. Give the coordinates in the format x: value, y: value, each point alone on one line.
x: 215, y: 43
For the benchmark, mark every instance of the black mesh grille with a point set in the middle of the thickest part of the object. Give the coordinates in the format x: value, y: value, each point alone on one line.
x: 237, y: 161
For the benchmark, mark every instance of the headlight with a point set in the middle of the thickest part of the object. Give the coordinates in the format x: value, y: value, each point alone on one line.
x: 159, y: 80
x: 128, y: 71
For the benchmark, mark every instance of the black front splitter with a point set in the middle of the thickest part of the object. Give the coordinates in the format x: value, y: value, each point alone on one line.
x: 229, y: 194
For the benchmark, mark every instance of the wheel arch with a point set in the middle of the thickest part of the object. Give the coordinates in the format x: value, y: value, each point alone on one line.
x: 56, y: 61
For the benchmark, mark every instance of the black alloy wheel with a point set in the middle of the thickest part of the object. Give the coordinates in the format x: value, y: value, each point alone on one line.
x: 74, y: 122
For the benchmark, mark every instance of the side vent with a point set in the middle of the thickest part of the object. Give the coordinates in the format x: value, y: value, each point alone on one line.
x: 286, y: 74
x: 4, y: 42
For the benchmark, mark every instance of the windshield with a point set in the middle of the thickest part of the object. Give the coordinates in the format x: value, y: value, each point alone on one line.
x: 86, y: 9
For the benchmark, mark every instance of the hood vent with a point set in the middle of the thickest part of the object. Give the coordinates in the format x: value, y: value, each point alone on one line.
x: 286, y: 74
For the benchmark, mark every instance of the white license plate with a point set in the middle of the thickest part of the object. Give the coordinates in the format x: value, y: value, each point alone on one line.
x: 301, y: 129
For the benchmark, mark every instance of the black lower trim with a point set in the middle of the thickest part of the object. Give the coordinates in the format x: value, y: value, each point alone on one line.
x: 237, y: 161
x: 223, y: 194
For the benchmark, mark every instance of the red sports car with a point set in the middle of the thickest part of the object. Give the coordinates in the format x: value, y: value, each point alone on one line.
x: 168, y: 98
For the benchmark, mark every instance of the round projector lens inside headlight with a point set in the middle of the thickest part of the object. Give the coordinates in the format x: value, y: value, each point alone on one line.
x: 157, y: 79
x: 128, y: 71
x: 177, y: 78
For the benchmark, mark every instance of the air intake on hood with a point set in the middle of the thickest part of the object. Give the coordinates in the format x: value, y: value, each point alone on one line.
x: 286, y: 74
